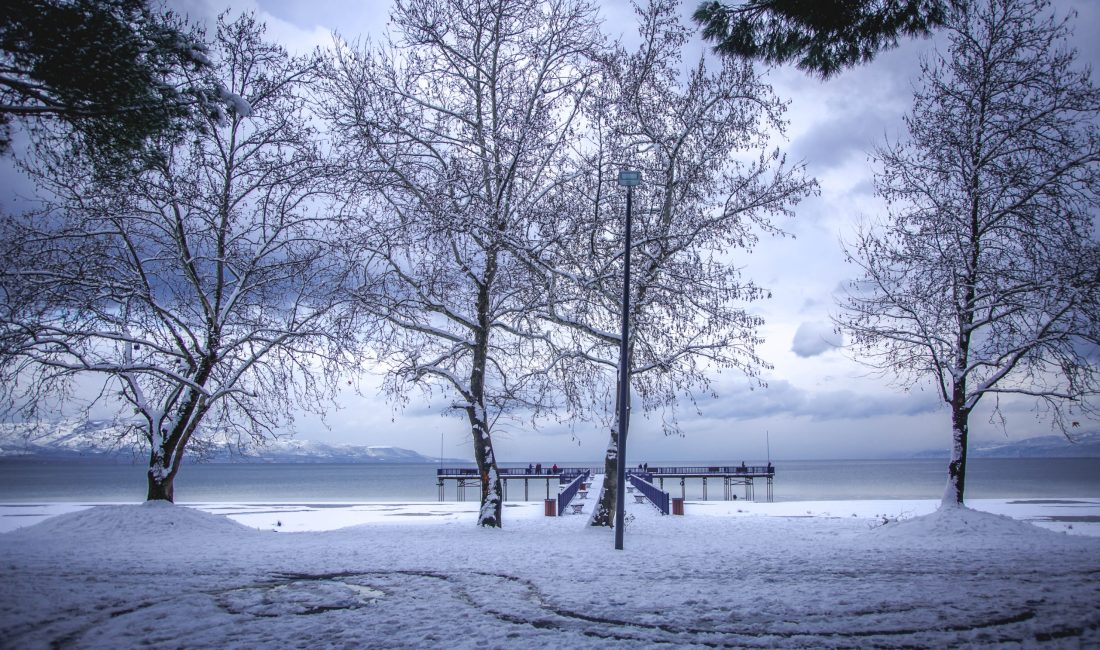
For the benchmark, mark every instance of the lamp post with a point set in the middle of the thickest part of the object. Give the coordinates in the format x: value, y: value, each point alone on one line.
x: 629, y: 180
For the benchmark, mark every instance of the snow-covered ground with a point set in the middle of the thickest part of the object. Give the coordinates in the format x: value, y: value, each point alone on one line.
x: 806, y: 574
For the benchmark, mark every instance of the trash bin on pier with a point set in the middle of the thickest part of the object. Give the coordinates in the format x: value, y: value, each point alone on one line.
x: 677, y: 506
x: 551, y: 507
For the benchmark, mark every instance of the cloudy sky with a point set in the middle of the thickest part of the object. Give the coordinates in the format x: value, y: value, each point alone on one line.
x: 819, y: 402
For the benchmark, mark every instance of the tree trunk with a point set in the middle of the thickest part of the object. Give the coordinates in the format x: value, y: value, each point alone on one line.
x: 161, y: 480
x: 605, y: 507
x: 164, y: 460
x: 492, y: 494
x: 492, y: 499
x: 956, y: 470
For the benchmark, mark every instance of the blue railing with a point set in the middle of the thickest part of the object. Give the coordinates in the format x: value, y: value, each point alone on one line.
x: 656, y: 496
x: 572, y: 472
x: 749, y: 470
x: 456, y: 471
x: 513, y: 472
x: 570, y: 491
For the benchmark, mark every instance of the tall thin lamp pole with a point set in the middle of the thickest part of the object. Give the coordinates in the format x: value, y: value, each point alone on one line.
x: 629, y: 180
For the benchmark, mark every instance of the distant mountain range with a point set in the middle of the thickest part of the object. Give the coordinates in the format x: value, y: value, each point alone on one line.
x: 1085, y: 445
x: 108, y: 441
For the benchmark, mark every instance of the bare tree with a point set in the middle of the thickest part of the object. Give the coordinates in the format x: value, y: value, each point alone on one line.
x: 710, y: 188
x: 985, y: 278
x: 205, y: 292
x: 455, y: 135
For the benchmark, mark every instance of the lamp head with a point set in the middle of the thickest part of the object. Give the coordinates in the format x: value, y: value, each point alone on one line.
x: 629, y: 178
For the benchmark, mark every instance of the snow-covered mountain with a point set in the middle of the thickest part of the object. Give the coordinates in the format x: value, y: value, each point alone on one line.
x: 291, y: 450
x: 1085, y: 445
x: 104, y: 440
x: 67, y: 439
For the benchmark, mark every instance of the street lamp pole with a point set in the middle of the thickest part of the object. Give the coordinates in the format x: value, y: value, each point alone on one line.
x: 629, y: 180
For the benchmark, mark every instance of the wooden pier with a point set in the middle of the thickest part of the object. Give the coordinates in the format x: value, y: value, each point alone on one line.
x: 732, y: 477
x: 465, y: 477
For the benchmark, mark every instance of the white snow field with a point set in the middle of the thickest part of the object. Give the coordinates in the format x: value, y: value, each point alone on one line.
x: 728, y: 574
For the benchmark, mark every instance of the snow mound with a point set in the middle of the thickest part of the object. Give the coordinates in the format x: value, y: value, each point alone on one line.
x: 155, y: 519
x: 960, y: 522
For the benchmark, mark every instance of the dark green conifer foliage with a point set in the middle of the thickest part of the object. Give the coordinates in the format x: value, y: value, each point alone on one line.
x: 821, y: 37
x: 111, y: 72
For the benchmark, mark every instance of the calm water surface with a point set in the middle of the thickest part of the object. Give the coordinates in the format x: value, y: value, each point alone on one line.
x: 794, y: 481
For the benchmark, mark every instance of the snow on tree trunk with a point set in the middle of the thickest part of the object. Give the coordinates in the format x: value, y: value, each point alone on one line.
x: 161, y: 481
x: 956, y: 469
x: 492, y: 500
x: 605, y: 507
x: 492, y: 495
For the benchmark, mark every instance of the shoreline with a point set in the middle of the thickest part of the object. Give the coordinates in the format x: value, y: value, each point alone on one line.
x: 1071, y: 515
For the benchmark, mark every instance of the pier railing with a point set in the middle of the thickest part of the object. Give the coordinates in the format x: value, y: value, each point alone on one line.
x: 570, y: 491
x: 731, y: 476
x: 658, y: 497
x: 568, y: 473
x: 572, y: 472
x: 719, y: 470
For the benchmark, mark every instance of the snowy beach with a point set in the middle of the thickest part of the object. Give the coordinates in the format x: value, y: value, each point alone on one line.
x: 728, y: 574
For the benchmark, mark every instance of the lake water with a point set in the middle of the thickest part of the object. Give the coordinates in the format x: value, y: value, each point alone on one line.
x: 794, y: 481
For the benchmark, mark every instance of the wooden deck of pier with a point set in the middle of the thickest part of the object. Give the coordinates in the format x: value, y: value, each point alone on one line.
x: 732, y: 477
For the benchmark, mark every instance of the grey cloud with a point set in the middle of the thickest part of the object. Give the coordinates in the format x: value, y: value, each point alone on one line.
x: 854, y: 111
x: 847, y: 404
x: 814, y: 338
x: 865, y: 187
x: 781, y: 398
x: 830, y: 144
